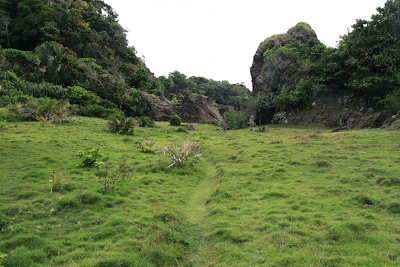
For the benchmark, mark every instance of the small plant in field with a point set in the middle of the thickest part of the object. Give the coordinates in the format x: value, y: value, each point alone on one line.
x: 2, y: 256
x: 109, y: 179
x: 122, y: 125
x: 3, y: 124
x: 57, y: 179
x: 148, y: 145
x: 89, y: 156
x: 175, y: 120
x: 183, y: 152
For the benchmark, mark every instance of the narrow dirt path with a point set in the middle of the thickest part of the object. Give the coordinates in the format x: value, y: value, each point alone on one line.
x: 196, y: 216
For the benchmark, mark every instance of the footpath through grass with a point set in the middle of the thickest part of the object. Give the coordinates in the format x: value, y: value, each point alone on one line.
x: 286, y: 197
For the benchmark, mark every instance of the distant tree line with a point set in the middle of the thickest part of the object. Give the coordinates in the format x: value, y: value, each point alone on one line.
x: 177, y: 85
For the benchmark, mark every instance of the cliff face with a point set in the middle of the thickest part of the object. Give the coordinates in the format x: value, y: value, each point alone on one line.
x: 268, y: 71
x: 202, y: 109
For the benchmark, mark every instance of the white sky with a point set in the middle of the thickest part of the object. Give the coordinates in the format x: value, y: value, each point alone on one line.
x: 217, y: 39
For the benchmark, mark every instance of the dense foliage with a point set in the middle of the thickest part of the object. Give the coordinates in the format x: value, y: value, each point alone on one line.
x: 73, y: 50
x: 177, y: 86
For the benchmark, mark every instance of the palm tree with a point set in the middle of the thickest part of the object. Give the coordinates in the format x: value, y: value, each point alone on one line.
x: 51, y: 57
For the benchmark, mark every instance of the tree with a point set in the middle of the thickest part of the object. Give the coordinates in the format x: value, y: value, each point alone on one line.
x: 51, y: 58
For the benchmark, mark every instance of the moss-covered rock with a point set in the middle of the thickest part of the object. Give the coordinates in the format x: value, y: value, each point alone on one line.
x: 272, y: 66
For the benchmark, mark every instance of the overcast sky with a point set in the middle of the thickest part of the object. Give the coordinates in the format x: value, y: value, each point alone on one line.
x: 217, y: 39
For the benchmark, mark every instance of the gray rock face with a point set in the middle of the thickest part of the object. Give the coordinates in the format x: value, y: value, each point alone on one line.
x: 375, y: 121
x: 201, y: 110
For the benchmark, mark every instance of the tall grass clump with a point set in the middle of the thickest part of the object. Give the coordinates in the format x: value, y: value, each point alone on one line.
x: 183, y: 152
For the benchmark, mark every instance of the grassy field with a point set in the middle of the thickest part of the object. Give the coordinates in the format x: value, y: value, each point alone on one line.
x: 285, y: 197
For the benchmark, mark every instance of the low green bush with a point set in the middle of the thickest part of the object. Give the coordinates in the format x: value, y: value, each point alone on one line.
x: 89, y: 156
x: 233, y: 120
x: 145, y: 122
x: 81, y: 96
x: 175, y: 120
x: 122, y: 125
x: 96, y: 110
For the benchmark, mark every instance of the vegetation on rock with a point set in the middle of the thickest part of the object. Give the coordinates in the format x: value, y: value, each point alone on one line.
x: 295, y: 67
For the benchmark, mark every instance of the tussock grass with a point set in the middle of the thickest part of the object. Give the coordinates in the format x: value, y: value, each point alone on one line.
x: 285, y: 197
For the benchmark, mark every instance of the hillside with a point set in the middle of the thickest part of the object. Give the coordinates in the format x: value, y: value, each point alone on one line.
x: 290, y: 196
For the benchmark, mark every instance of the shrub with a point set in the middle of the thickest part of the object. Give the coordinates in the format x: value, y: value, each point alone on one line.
x: 233, y: 120
x: 122, y: 125
x: 89, y: 156
x: 392, y: 101
x: 95, y: 110
x: 175, y: 120
x: 47, y: 110
x: 81, y: 96
x: 145, y: 122
x: 181, y: 130
x: 183, y: 152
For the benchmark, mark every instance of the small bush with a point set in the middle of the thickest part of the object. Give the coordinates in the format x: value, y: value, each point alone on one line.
x: 45, y: 110
x: 89, y: 156
x: 96, y: 110
x: 181, y: 130
x: 122, y: 125
x: 81, y: 96
x: 392, y: 101
x: 145, y: 122
x: 233, y: 120
x: 175, y: 120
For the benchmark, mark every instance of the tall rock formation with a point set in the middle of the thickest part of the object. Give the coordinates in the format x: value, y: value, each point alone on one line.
x: 269, y: 71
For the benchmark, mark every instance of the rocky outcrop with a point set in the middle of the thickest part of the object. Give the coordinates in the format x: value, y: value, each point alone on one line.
x: 262, y: 71
x: 201, y: 109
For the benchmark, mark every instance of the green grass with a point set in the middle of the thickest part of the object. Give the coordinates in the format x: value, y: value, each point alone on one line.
x: 286, y: 197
